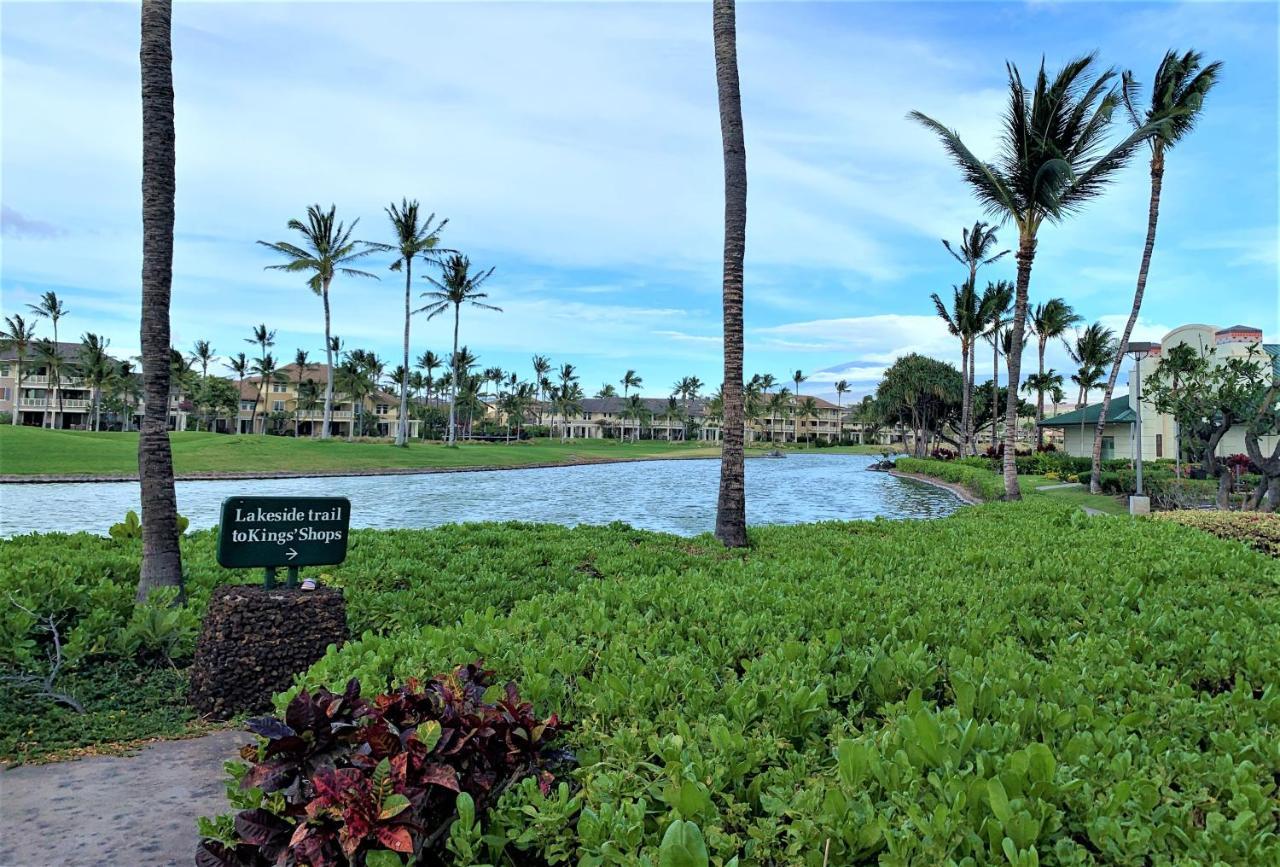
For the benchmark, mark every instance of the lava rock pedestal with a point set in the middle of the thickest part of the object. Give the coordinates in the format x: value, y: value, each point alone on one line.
x: 254, y: 641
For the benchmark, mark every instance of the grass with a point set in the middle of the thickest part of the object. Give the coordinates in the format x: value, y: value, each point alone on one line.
x: 27, y: 451
x: 1078, y: 495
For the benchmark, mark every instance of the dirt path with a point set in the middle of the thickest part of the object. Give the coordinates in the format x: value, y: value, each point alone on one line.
x: 136, y: 810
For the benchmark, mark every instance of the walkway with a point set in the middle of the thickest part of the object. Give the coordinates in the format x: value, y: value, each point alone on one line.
x: 137, y: 810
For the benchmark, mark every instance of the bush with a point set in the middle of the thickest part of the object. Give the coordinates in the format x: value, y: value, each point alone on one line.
x: 1256, y: 529
x: 983, y: 484
x: 340, y: 778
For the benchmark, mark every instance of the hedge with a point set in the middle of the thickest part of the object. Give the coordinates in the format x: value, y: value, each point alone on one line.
x: 983, y: 484
x: 1256, y: 529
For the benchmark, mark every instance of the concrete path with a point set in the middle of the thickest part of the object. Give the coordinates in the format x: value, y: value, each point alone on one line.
x: 1061, y: 486
x: 115, y: 810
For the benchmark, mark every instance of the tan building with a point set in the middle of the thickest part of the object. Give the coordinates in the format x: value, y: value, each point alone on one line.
x: 277, y: 407
x: 1159, y: 432
x: 42, y: 400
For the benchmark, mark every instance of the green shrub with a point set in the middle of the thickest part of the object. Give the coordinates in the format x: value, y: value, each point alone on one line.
x: 984, y: 484
x: 1255, y: 529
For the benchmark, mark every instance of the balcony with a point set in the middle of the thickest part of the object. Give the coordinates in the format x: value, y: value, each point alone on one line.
x: 43, y: 381
x: 51, y: 403
x: 318, y: 415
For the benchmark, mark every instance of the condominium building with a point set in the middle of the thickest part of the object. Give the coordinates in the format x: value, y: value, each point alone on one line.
x: 43, y: 399
x: 279, y: 408
x: 1159, y: 431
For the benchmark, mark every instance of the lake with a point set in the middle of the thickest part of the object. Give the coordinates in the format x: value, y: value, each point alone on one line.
x: 674, y: 496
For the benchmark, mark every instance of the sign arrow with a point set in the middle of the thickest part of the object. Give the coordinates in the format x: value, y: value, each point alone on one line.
x: 291, y: 553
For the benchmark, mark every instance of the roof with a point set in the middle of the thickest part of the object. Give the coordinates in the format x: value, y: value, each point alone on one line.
x: 652, y: 404
x: 1247, y: 328
x: 65, y: 349
x: 1273, y: 349
x: 1118, y: 413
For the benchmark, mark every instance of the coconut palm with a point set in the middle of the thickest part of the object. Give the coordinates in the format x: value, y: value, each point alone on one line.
x: 1177, y: 97
x: 456, y: 287
x: 993, y: 308
x: 731, y: 503
x: 309, y: 398
x: 567, y: 399
x: 415, y: 237
x: 161, y: 556
x: 302, y: 365
x: 17, y: 338
x: 429, y: 361
x: 778, y: 404
x: 126, y: 387
x: 1049, y: 321
x: 264, y: 338
x: 607, y: 390
x: 48, y: 357
x: 635, y: 409
x: 964, y: 319
x: 806, y: 409
x: 97, y: 367
x: 51, y: 307
x: 239, y: 365
x: 796, y: 378
x: 1053, y: 159
x: 266, y: 368
x: 1092, y: 351
x: 842, y: 388
x: 327, y: 249
x: 204, y: 355
x: 541, y: 367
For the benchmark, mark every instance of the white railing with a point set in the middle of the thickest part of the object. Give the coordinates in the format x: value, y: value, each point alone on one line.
x: 52, y: 403
x: 45, y: 380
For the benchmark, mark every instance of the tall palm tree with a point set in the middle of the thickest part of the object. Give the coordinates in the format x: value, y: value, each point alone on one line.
x: 1053, y: 160
x: 414, y: 237
x: 456, y: 287
x: 266, y: 369
x: 51, y: 359
x: 778, y: 404
x: 607, y: 390
x: 541, y: 367
x: 635, y: 409
x: 204, y: 354
x: 1177, y: 97
x: 807, y: 408
x: 429, y: 361
x: 1049, y: 321
x: 964, y: 320
x: 460, y: 367
x: 629, y: 381
x: 796, y: 378
x: 17, y: 337
x: 842, y: 388
x: 161, y: 556
x: 1092, y: 351
x: 51, y: 307
x: 239, y: 365
x: 264, y: 339
x: 97, y: 367
x: 994, y: 307
x: 327, y: 249
x: 731, y: 503
x: 1045, y: 382
x: 309, y: 397
x: 301, y: 367
x: 128, y: 389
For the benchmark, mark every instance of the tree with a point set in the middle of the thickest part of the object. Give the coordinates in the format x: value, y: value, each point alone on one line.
x: 161, y: 556
x: 266, y: 369
x: 414, y: 238
x: 1177, y: 96
x: 17, y: 338
x: 97, y: 367
x: 629, y: 381
x: 301, y: 367
x: 541, y: 367
x: 779, y: 404
x: 797, y: 378
x: 309, y: 397
x: 429, y: 361
x: 994, y: 310
x: 51, y: 307
x: 568, y: 402
x: 922, y: 393
x: 264, y: 339
x: 568, y: 382
x: 457, y: 286
x: 327, y: 250
x: 1265, y: 421
x: 964, y: 320
x: 731, y: 503
x: 842, y: 388
x: 635, y: 409
x: 807, y: 408
x: 607, y: 390
x: 1049, y: 321
x: 204, y: 354
x: 239, y: 365
x: 1051, y: 163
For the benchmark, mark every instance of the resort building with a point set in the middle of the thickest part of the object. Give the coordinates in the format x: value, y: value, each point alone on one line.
x: 295, y: 405
x: 43, y: 398
x: 1159, y: 431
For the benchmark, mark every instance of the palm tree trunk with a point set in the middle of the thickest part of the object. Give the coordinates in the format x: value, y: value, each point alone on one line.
x: 1040, y: 396
x: 453, y: 386
x: 964, y: 397
x: 1026, y: 255
x: 1153, y: 216
x: 17, y: 394
x: 995, y: 390
x: 161, y: 555
x: 402, y: 424
x: 731, y: 505
x: 328, y: 357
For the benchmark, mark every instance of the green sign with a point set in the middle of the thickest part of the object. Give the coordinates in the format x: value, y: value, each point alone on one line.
x: 283, y: 531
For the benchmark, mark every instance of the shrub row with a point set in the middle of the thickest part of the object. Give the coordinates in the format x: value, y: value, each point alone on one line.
x: 1256, y: 529
x: 982, y: 483
x: 1013, y: 684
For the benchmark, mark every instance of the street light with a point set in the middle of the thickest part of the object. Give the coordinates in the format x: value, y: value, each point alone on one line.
x: 1138, y: 504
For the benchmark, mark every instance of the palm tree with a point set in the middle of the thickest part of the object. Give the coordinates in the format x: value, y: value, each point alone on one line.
x: 568, y: 381
x: 964, y: 319
x: 161, y: 556
x: 842, y: 388
x: 264, y: 339
x: 731, y: 503
x: 240, y: 367
x: 1045, y: 382
x: 607, y: 390
x: 1177, y: 97
x: 126, y: 386
x: 568, y: 402
x: 429, y: 361
x: 797, y: 378
x: 96, y: 367
x: 778, y: 403
x: 267, y: 370
x: 51, y: 307
x: 635, y: 409
x: 994, y: 310
x: 17, y: 337
x: 808, y: 408
x: 671, y: 414
x: 1092, y: 352
x: 629, y: 381
x: 327, y: 250
x: 456, y: 287
x: 414, y: 237
x: 204, y: 354
x: 541, y: 367
x: 309, y: 397
x: 692, y: 386
x: 301, y: 367
x: 48, y: 356
x: 1049, y: 321
x: 1051, y: 163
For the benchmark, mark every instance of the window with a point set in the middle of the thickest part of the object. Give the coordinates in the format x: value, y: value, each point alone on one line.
x: 383, y: 409
x: 1159, y: 445
x: 277, y: 406
x: 1108, y: 448
x: 279, y: 388
x: 6, y: 393
x: 246, y: 404
x: 4, y: 370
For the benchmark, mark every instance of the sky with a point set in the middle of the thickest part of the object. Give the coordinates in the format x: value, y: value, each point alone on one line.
x: 575, y: 148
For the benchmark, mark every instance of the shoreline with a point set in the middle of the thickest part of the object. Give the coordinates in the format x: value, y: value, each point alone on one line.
x: 964, y: 494
x: 240, y: 475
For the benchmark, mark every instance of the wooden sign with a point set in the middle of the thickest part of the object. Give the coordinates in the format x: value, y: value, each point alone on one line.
x: 283, y: 531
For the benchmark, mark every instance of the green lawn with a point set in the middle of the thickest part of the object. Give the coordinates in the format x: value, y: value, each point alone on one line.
x: 33, y: 451
x: 1080, y: 496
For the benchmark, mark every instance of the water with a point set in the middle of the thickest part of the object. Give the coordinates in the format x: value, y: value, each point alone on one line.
x: 670, y: 496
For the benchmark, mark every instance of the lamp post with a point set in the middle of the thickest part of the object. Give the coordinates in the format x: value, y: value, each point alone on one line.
x: 1138, y: 504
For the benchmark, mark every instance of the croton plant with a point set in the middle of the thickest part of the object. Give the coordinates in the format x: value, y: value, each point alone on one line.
x: 345, y: 777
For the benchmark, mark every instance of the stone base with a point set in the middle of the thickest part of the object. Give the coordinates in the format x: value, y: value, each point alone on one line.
x: 254, y: 641
x: 1139, y: 505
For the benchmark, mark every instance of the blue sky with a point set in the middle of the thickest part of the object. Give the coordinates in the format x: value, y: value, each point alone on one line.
x: 575, y: 147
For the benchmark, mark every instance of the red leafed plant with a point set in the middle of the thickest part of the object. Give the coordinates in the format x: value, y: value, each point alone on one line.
x: 357, y: 776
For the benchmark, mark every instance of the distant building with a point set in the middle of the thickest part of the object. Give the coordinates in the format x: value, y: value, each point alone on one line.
x: 277, y: 407
x: 1159, y: 432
